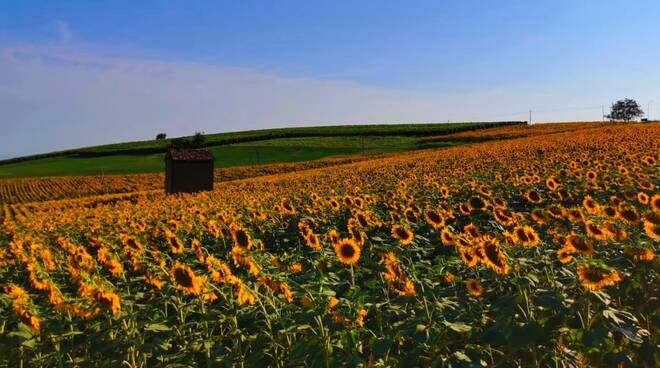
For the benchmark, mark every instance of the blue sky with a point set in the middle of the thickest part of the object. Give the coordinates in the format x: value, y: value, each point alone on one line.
x: 74, y: 73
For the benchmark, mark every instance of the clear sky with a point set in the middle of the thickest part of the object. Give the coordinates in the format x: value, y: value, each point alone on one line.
x: 76, y: 73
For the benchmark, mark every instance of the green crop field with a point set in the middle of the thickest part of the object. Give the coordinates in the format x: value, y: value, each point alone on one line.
x: 241, y: 148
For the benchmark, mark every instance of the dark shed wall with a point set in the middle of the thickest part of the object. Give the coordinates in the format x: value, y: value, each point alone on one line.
x: 188, y: 176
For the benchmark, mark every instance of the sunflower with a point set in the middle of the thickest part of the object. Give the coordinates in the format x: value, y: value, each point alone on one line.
x: 243, y: 295
x: 333, y: 236
x: 449, y: 277
x: 485, y: 191
x: 434, y: 219
x: 615, y: 232
x: 609, y: 211
x: 590, y: 204
x: 648, y: 161
x: 551, y: 183
x: 332, y: 302
x: 655, y: 202
x: 574, y: 215
x: 474, y: 287
x: 312, y: 241
x: 565, y: 255
x: 555, y: 211
x: 643, y: 198
x: 533, y: 197
x: 652, y: 217
x: 410, y: 215
x: 362, y: 219
x: 595, y: 277
x: 471, y: 231
x: 359, y: 320
x: 539, y: 216
x: 476, y: 203
x: 526, y: 236
x: 464, y: 209
x: 469, y: 256
x: 510, y: 238
x: 212, y: 227
x: 447, y: 237
x: 576, y: 243
x: 403, y: 287
x: 277, y: 287
x: 563, y: 195
x: 639, y: 253
x: 629, y: 215
x: 595, y: 231
x: 334, y: 204
x: 646, y: 184
x: 303, y: 229
x: 358, y: 237
x: 402, y: 234
x: 286, y: 208
x: 652, y: 230
x: 347, y: 251
x: 241, y: 260
x: 492, y: 255
x: 504, y: 216
x: 499, y: 202
x: 348, y: 201
x: 17, y: 293
x: 444, y: 191
x: 241, y: 237
x: 28, y: 319
x: 109, y: 300
x: 219, y: 271
x: 186, y: 280
x: 615, y: 201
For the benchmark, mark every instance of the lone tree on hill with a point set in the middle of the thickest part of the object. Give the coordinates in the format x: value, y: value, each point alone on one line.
x: 196, y: 141
x: 625, y: 110
x: 161, y: 136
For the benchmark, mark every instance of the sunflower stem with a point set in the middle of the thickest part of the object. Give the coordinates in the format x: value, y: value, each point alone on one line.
x: 352, y: 277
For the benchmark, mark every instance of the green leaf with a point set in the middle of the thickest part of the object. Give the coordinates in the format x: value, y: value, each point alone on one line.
x: 157, y: 327
x: 462, y: 357
x: 458, y: 326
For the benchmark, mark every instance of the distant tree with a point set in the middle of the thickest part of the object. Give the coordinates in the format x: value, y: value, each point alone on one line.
x: 180, y: 142
x: 198, y: 139
x: 160, y: 136
x: 625, y: 110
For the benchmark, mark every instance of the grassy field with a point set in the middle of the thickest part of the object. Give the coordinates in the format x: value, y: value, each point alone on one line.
x: 248, y: 153
x: 158, y: 146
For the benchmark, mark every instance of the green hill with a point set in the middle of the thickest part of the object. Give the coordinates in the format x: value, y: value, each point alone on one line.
x: 239, y: 148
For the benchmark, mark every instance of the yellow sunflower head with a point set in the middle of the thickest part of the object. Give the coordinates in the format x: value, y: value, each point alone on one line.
x: 347, y: 251
x: 474, y: 287
x: 402, y: 234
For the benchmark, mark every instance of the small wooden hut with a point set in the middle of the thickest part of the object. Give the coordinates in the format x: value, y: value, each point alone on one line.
x: 188, y: 170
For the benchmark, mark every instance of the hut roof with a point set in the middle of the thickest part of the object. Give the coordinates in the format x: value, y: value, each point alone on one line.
x: 197, y: 155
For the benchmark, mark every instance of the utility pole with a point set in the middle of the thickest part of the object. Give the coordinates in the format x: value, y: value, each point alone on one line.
x: 602, y: 109
x: 530, y: 116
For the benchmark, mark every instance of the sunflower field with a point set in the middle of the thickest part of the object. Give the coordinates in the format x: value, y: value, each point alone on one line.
x: 538, y: 251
